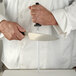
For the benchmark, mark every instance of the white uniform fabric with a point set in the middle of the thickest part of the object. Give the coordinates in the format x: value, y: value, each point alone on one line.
x: 60, y: 53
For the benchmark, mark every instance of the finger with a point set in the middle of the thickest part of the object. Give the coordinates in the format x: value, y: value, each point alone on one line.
x: 20, y: 28
x: 34, y: 20
x: 34, y: 7
x: 19, y: 35
x: 33, y: 11
x: 37, y: 7
x: 15, y: 38
x: 10, y: 37
x: 29, y: 7
x: 33, y: 16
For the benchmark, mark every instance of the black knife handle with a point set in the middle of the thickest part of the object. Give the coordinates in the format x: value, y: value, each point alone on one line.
x: 37, y: 3
x: 37, y: 24
x: 23, y: 33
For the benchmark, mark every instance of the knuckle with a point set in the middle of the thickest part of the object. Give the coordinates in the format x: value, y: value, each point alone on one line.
x: 15, y: 24
x: 2, y: 27
x: 33, y: 6
x: 33, y: 13
x: 12, y: 33
x: 32, y: 17
x: 33, y: 20
x: 20, y: 38
x: 10, y: 38
x: 33, y: 10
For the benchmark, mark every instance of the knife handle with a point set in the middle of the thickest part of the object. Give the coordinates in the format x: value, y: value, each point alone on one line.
x: 23, y: 33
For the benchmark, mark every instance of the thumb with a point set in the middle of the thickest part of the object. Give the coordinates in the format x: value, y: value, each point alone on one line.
x: 20, y: 28
x: 29, y: 7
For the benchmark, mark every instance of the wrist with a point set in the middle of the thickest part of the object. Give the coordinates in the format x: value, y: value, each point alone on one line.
x: 53, y: 20
x: 1, y: 23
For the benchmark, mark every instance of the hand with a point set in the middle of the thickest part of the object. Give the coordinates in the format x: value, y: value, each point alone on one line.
x: 11, y: 30
x: 41, y: 15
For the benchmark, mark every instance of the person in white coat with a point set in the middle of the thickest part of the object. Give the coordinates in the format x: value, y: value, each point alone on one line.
x: 57, y: 17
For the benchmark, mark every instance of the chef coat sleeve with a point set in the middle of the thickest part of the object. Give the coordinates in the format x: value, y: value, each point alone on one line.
x: 66, y: 19
x: 2, y: 17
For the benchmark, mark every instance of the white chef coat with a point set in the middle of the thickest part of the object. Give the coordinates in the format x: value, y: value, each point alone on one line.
x: 60, y: 53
